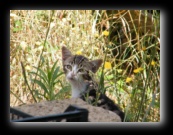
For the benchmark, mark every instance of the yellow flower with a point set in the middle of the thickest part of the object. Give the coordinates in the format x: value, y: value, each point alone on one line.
x: 128, y: 79
x: 153, y: 63
x: 78, y: 52
x: 107, y: 65
x: 138, y: 70
x: 105, y: 33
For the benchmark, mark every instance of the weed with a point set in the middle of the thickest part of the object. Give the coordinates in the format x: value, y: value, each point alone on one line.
x: 127, y: 40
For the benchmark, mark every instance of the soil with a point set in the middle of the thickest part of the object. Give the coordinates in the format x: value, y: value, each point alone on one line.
x: 96, y: 114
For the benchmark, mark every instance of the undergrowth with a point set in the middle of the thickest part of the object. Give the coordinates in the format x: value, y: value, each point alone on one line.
x: 128, y: 41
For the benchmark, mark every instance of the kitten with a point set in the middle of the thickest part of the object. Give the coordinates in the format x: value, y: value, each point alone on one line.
x: 79, y: 73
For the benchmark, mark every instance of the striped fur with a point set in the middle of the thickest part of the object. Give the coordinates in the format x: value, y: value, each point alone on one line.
x: 79, y: 73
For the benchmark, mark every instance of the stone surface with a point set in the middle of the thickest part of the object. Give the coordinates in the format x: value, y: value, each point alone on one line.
x: 96, y: 114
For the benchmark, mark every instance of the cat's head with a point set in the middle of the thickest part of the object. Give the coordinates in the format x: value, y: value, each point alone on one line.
x: 76, y: 67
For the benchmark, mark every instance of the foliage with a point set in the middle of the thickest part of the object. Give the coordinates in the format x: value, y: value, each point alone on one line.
x: 47, y: 81
x: 127, y: 40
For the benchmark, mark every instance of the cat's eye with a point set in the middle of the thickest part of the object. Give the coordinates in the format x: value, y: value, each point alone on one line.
x: 69, y: 67
x: 81, y: 70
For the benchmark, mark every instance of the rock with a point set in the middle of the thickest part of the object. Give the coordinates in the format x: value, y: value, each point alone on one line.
x: 96, y: 114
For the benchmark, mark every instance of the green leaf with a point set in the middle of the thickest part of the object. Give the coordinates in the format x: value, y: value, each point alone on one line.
x: 17, y: 29
x: 101, y: 83
x: 109, y: 77
x: 39, y: 76
x: 60, y: 74
x: 17, y: 26
x: 56, y: 75
x: 54, y: 66
x: 157, y: 104
x: 42, y: 73
x: 18, y: 23
x: 38, y: 94
x: 42, y: 59
x: 42, y: 86
x: 49, y: 77
x: 52, y: 72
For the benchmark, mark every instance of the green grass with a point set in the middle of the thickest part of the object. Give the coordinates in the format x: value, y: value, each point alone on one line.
x: 128, y: 40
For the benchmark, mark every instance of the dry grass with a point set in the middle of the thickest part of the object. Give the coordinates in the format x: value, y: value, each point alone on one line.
x: 133, y: 42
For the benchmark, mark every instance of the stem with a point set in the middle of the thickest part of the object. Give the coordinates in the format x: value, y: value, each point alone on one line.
x: 43, y: 47
x: 24, y: 75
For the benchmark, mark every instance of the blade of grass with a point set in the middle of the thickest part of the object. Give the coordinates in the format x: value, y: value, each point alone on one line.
x: 39, y: 76
x: 24, y: 75
x: 42, y: 86
x: 17, y: 97
x: 39, y: 63
x: 52, y: 74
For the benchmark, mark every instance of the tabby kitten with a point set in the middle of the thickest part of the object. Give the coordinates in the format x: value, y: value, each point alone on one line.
x: 79, y: 73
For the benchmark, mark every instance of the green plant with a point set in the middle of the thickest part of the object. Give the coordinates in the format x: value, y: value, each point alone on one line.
x: 131, y: 39
x: 132, y: 80
x: 47, y: 81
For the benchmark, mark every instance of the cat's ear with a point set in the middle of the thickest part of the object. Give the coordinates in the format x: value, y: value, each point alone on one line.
x: 65, y: 53
x: 95, y: 65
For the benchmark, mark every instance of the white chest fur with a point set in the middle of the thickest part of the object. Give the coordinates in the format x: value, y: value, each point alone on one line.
x: 78, y: 89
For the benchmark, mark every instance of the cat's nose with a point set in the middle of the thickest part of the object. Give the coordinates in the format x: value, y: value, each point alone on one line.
x: 72, y: 76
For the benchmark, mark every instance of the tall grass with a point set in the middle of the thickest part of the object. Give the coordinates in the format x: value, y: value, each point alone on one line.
x: 128, y: 41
